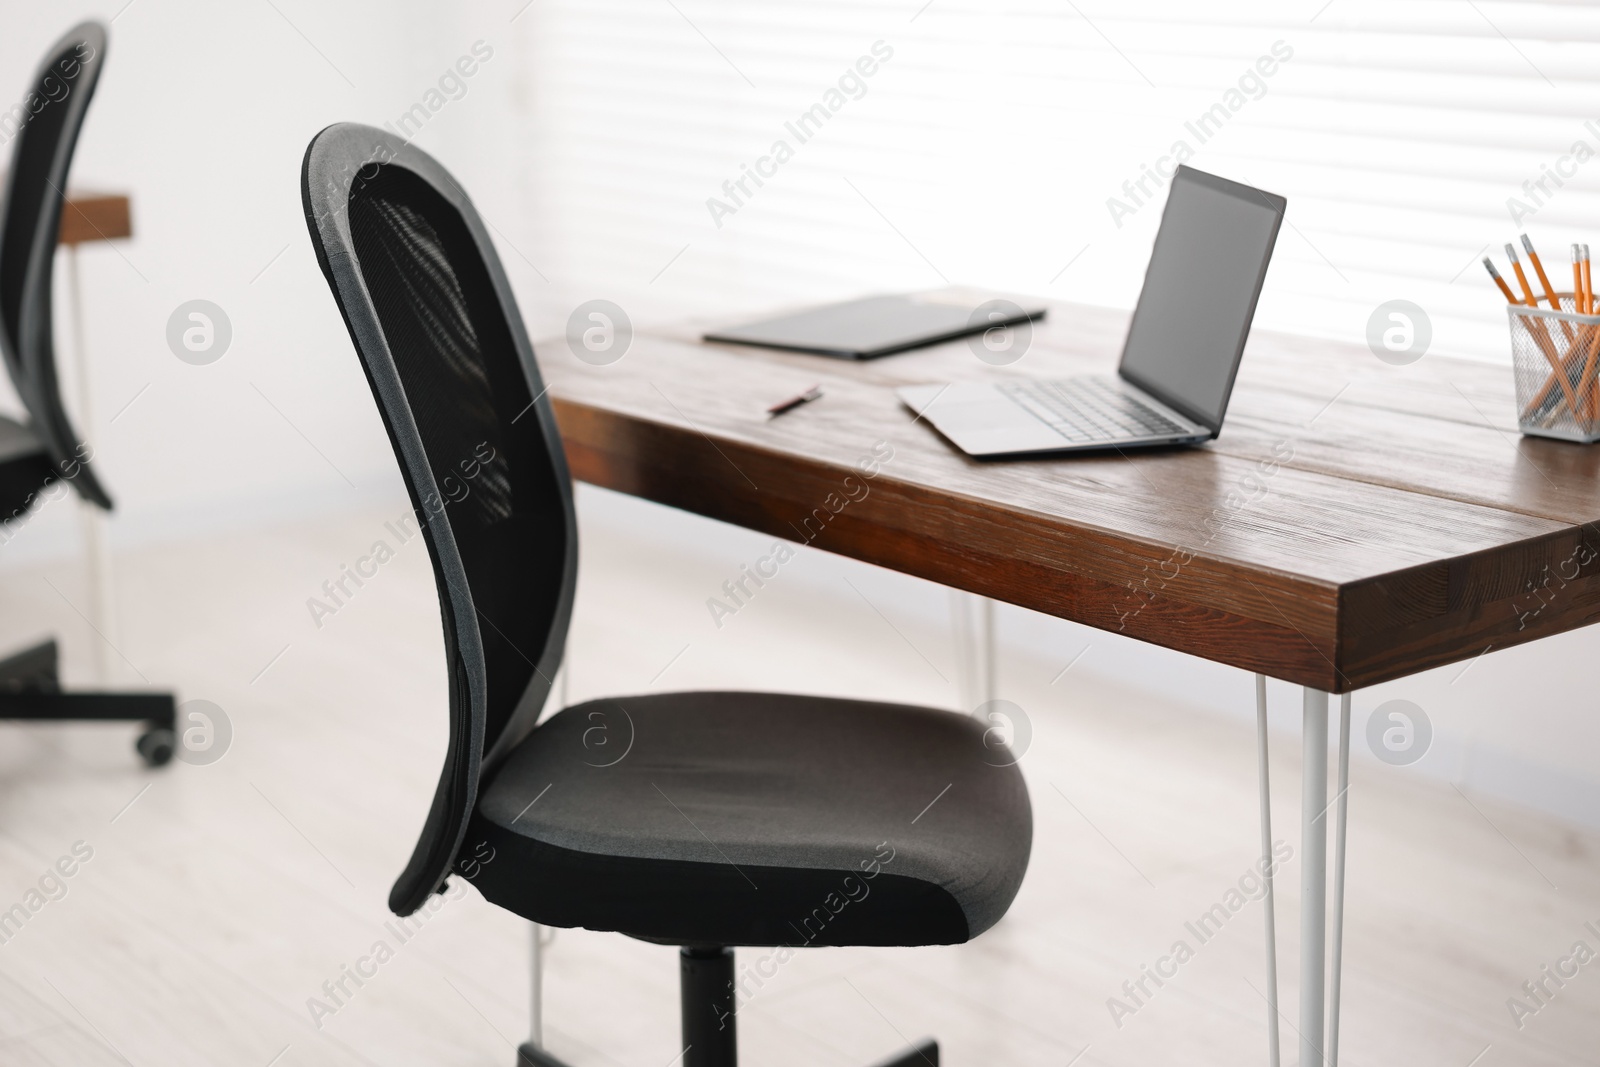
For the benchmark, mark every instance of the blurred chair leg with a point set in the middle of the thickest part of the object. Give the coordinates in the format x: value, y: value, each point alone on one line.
x: 35, y: 669
x: 30, y: 688
x: 157, y: 711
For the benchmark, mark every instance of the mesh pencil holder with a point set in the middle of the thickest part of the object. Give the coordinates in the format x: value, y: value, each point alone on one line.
x: 1556, y: 358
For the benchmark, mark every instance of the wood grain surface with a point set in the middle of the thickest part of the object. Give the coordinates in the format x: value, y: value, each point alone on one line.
x: 1355, y: 522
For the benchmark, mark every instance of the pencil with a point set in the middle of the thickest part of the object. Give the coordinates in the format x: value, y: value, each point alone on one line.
x: 1584, y: 382
x: 1535, y: 326
x: 1589, y: 288
x: 1538, y: 268
x: 1522, y: 279
x: 1511, y: 298
x: 1577, y: 282
x: 1582, y: 351
x: 1541, y: 336
x: 1549, y: 290
x: 1588, y: 341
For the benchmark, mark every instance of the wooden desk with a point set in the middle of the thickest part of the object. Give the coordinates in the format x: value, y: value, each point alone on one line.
x: 95, y: 217
x: 1355, y: 522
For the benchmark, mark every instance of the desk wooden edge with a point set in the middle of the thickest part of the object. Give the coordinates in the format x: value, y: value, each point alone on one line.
x: 1336, y: 637
x: 1292, y: 635
x: 1459, y: 609
x: 89, y: 217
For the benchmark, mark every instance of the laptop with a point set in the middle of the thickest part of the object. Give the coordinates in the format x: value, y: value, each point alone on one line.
x: 876, y: 326
x: 1180, y: 357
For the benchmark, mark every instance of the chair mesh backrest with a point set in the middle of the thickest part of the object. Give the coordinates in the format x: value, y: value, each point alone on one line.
x: 465, y: 386
x: 435, y: 325
x: 43, y: 128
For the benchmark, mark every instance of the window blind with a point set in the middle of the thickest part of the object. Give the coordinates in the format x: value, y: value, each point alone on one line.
x: 1024, y: 149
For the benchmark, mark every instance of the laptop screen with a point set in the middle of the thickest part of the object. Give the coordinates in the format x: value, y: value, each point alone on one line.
x: 1200, y: 291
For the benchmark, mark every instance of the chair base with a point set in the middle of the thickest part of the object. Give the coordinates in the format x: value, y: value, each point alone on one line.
x: 705, y: 976
x: 30, y: 690
x: 924, y: 1053
x: 530, y: 1055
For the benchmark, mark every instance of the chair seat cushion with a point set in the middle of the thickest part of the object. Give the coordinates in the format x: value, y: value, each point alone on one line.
x: 754, y: 819
x: 24, y: 469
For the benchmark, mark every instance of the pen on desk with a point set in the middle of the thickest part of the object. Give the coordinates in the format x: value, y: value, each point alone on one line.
x: 805, y: 396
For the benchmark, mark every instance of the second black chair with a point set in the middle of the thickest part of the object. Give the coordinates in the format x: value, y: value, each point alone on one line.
x: 47, y: 451
x: 707, y: 820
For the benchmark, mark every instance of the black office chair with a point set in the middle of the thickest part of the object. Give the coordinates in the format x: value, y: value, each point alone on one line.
x: 704, y: 820
x: 47, y: 450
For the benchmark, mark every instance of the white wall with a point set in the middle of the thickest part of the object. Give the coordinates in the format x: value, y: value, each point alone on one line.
x: 593, y: 137
x: 203, y: 114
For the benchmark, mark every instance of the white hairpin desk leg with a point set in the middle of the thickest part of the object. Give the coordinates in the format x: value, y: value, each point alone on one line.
x: 973, y: 616
x: 1313, y: 876
x: 1341, y: 810
x: 1267, y: 864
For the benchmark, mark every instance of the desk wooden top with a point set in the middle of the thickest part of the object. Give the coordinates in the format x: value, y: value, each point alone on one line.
x: 1355, y: 522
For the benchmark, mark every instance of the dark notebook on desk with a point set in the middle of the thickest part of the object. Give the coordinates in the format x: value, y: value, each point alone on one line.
x: 880, y: 325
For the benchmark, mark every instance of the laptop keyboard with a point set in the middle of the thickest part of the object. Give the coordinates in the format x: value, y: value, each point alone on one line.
x: 1090, y: 409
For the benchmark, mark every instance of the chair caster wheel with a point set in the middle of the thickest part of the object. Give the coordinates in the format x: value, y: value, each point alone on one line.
x: 156, y: 746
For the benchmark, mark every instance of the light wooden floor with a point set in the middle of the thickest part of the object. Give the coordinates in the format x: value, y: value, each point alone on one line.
x: 220, y: 898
